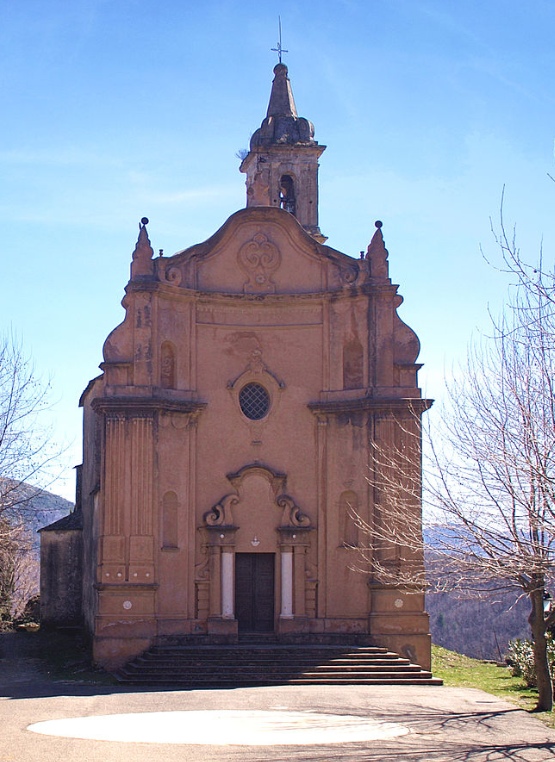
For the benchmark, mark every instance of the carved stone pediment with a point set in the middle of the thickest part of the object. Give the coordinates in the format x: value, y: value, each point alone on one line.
x: 292, y: 518
x: 276, y: 480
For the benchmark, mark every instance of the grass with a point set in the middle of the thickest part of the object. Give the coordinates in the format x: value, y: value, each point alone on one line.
x: 462, y: 671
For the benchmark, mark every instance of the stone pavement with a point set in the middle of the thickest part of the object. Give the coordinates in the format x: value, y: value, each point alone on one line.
x: 281, y: 724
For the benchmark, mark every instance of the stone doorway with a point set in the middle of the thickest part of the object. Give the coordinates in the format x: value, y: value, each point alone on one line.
x: 254, y: 591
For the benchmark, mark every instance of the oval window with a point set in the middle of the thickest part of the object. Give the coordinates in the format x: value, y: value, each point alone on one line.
x: 254, y: 401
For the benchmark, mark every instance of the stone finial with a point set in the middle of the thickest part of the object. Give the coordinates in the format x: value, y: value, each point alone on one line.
x: 377, y: 254
x: 142, y: 265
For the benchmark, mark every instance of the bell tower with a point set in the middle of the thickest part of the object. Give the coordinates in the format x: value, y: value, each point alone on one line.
x: 282, y: 163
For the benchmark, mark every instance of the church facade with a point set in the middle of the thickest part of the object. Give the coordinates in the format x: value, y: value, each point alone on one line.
x: 228, y: 441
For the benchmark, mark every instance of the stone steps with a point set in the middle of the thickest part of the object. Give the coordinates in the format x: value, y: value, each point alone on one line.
x: 249, y: 665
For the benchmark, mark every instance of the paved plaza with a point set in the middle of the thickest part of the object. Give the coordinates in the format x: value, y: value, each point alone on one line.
x: 45, y: 720
x: 56, y: 721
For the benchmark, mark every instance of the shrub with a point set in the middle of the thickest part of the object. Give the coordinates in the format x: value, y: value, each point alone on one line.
x: 31, y: 612
x: 520, y: 657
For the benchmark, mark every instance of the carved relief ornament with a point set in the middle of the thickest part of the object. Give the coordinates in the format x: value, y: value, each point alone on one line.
x: 255, y: 368
x: 259, y: 258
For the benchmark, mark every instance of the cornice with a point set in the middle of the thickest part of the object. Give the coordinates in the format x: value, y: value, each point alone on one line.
x: 148, y: 405
x: 371, y: 404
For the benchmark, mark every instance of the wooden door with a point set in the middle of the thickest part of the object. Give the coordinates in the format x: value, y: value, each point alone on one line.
x: 254, y: 591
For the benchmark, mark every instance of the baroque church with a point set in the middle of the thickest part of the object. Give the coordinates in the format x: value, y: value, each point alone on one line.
x: 229, y: 437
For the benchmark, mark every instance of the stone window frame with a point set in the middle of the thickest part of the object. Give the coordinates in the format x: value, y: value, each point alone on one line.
x: 258, y: 404
x: 265, y: 379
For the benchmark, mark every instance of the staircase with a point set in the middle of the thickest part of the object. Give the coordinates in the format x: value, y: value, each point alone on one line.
x: 271, y: 664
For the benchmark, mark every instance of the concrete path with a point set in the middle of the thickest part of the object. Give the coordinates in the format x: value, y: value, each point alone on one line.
x: 283, y: 724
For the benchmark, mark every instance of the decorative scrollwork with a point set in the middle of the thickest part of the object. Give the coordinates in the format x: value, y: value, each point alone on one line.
x: 292, y: 515
x: 173, y: 275
x: 259, y: 258
x: 220, y: 514
x: 349, y: 274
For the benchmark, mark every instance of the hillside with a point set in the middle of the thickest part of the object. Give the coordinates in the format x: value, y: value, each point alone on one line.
x: 480, y: 628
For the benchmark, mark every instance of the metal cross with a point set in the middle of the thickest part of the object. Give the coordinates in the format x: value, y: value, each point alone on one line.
x: 279, y: 50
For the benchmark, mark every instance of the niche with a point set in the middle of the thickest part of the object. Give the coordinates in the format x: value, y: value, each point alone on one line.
x: 169, y: 520
x: 167, y: 366
x: 348, y: 511
x: 353, y: 362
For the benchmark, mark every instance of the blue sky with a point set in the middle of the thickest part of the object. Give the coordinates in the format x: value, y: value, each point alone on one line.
x: 116, y: 109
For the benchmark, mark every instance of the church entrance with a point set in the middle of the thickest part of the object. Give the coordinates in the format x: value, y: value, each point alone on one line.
x: 254, y: 591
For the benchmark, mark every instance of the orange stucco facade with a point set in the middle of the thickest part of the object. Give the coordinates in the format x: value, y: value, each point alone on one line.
x: 227, y: 441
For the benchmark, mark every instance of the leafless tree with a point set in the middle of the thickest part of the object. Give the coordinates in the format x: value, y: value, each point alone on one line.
x: 26, y: 455
x: 490, y: 470
x: 18, y: 569
x: 8, y: 549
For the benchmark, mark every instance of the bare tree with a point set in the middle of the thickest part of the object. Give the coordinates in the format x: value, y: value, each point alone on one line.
x: 26, y: 454
x: 18, y: 569
x: 490, y: 473
x: 8, y: 550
